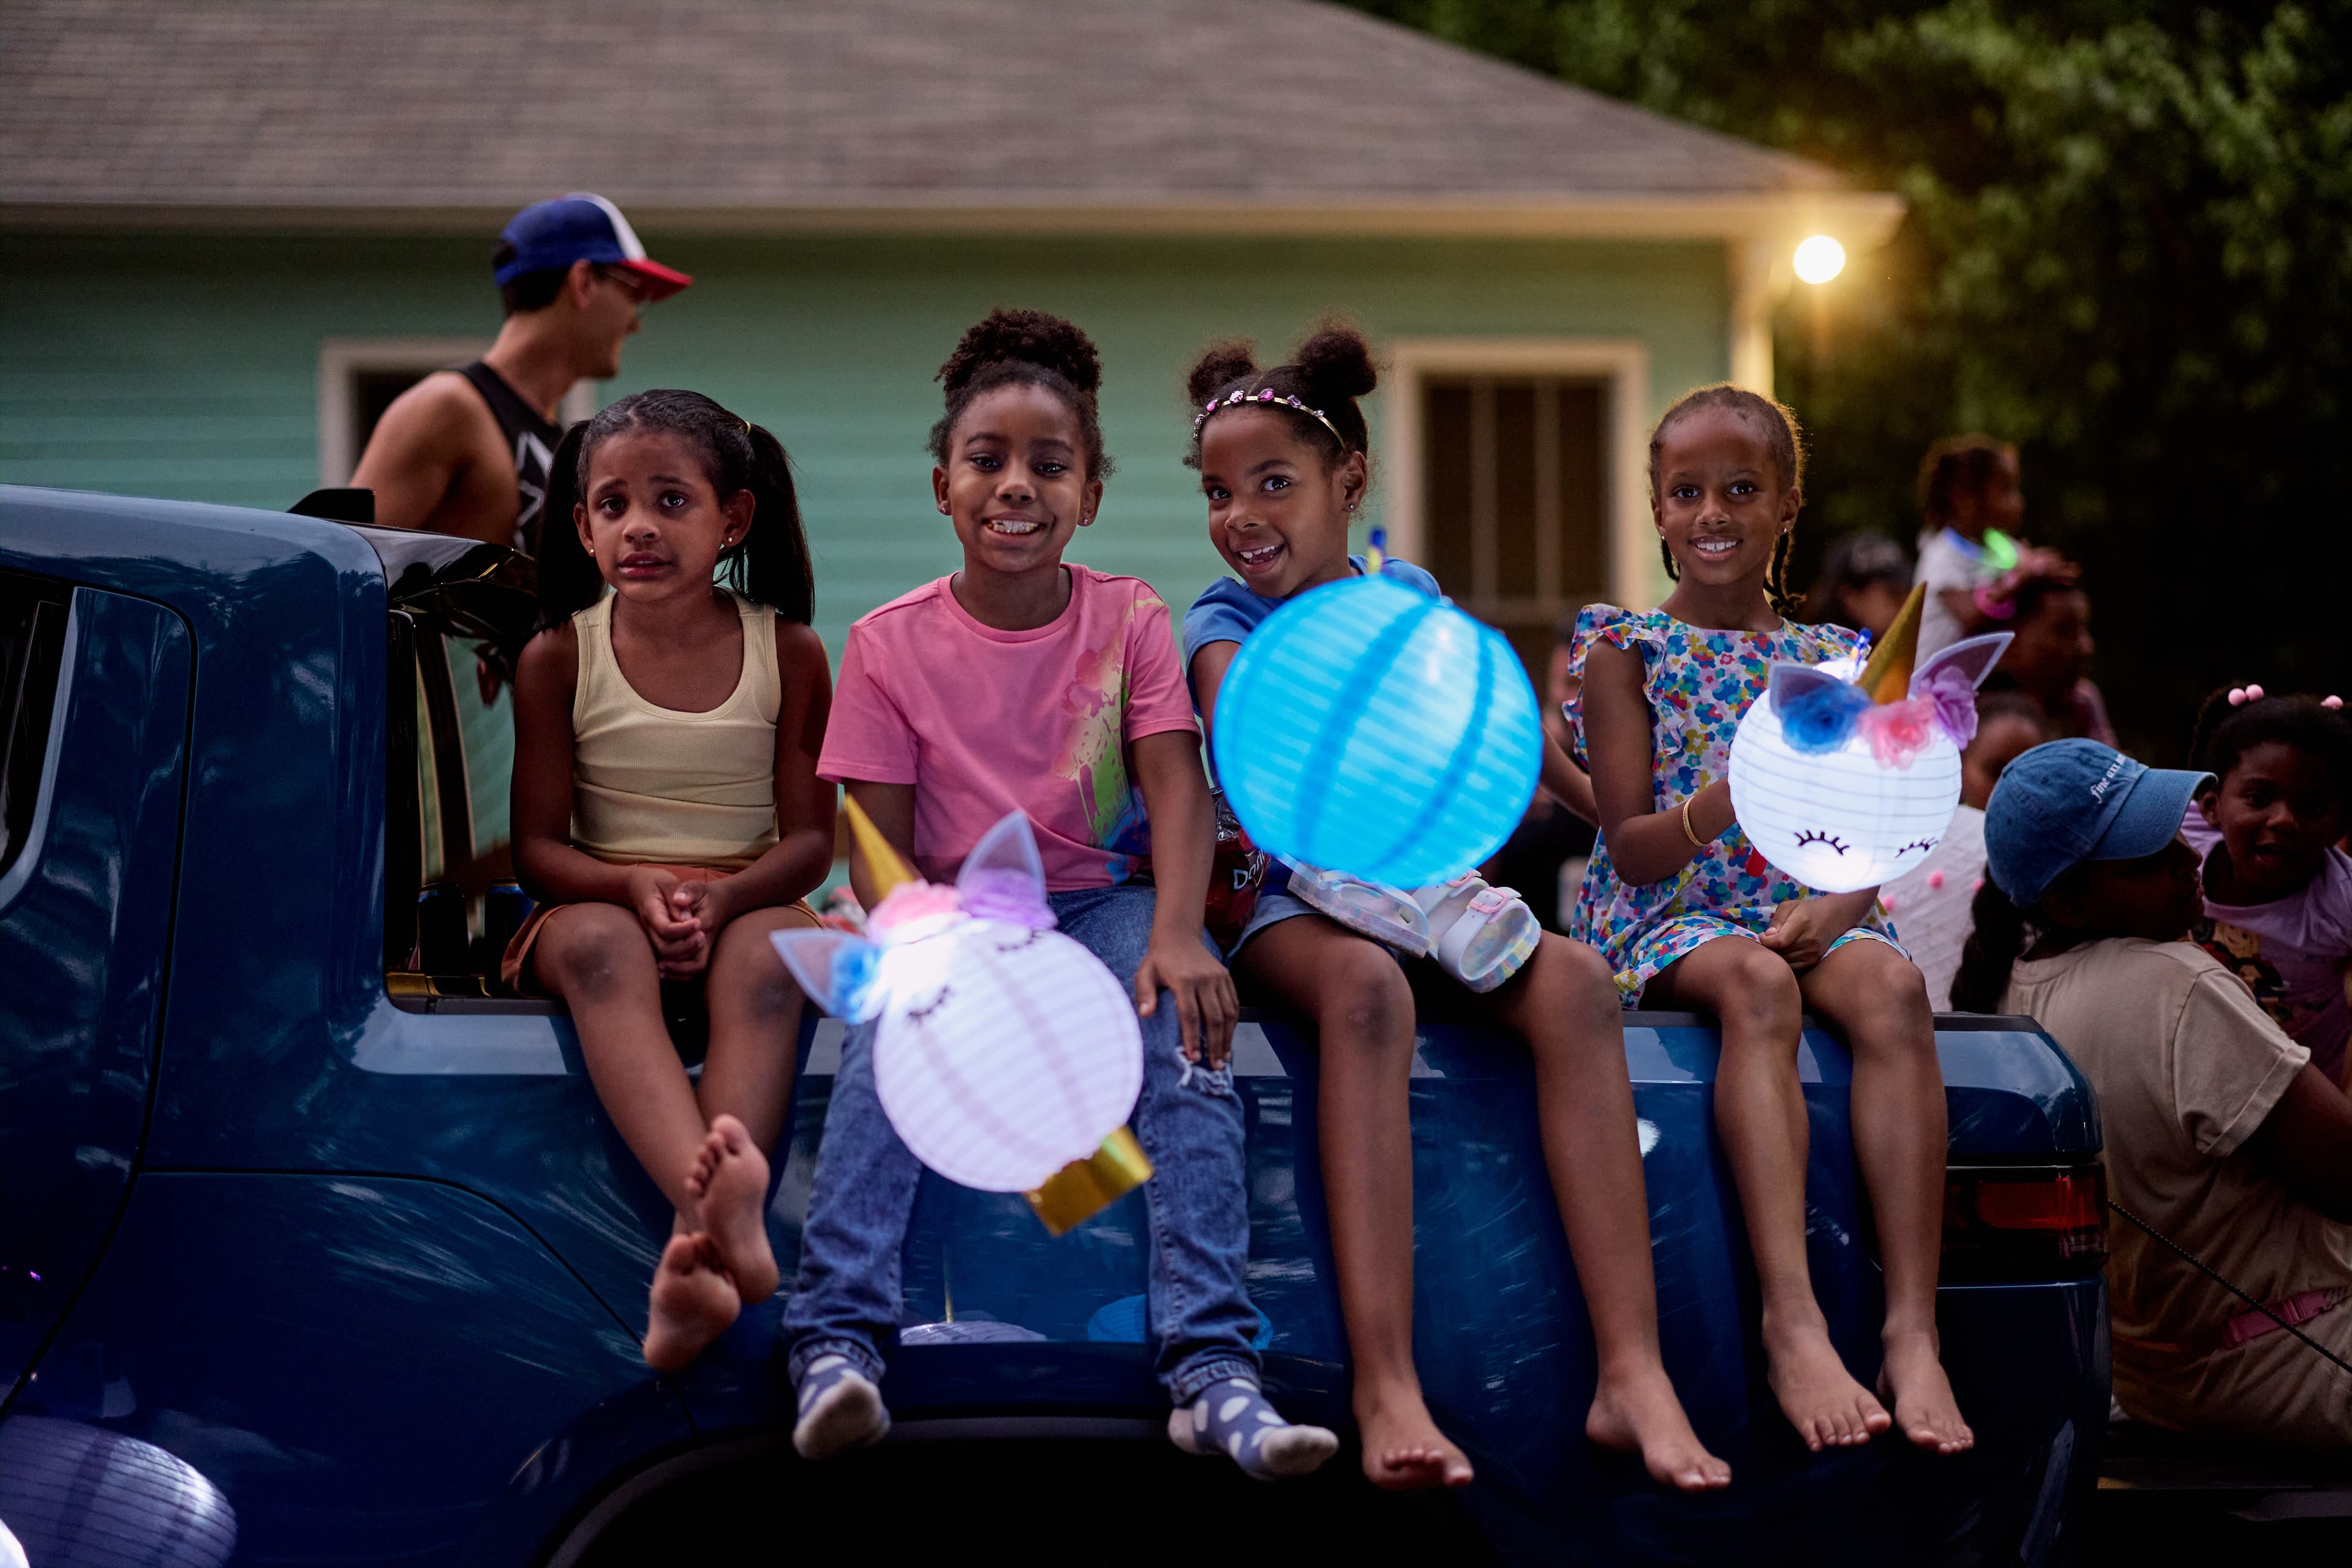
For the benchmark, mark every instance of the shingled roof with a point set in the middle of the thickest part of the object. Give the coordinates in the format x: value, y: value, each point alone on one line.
x: 732, y: 113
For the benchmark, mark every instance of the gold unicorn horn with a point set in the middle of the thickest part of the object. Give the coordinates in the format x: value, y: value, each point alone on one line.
x: 1887, y: 676
x: 890, y: 871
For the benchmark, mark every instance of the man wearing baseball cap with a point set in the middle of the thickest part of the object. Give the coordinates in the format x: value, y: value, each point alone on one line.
x: 2220, y: 1133
x: 465, y: 451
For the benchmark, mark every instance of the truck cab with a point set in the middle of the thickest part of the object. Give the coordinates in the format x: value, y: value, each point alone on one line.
x: 317, y: 1248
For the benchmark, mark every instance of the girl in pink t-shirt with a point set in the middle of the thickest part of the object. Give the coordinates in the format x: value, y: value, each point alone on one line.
x: 1025, y: 683
x: 2278, y: 888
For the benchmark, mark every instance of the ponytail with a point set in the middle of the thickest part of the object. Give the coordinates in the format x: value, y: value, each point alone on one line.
x: 1991, y: 952
x: 568, y: 579
x: 768, y: 565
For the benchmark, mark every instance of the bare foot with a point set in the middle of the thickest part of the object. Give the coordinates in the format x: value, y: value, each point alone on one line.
x: 693, y: 1303
x: 1912, y: 1380
x: 1818, y: 1396
x: 1641, y: 1414
x: 1403, y: 1450
x: 729, y: 1183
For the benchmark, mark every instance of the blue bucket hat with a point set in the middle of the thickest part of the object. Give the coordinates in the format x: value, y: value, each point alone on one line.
x: 582, y: 226
x: 2071, y: 801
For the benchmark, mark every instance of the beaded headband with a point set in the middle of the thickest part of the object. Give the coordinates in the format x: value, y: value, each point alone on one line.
x: 1242, y: 394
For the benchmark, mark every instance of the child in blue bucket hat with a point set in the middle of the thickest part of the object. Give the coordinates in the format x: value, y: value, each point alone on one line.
x: 2220, y: 1133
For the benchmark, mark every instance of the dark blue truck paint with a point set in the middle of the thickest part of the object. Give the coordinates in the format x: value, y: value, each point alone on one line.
x: 374, y: 1267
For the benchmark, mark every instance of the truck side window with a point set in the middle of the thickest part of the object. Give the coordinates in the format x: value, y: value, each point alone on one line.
x: 32, y: 647
x: 456, y: 863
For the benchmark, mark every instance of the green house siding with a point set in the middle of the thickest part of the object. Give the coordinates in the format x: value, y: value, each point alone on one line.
x: 187, y: 366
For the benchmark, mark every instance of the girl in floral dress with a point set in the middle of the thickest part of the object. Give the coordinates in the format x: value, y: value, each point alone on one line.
x: 1689, y: 915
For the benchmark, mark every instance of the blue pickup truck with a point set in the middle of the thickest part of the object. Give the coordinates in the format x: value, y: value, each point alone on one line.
x: 314, y: 1249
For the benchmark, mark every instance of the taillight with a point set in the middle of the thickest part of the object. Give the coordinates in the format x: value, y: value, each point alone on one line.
x: 2037, y: 1222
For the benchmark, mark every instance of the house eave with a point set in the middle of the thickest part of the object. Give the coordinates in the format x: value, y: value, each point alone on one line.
x: 1862, y: 220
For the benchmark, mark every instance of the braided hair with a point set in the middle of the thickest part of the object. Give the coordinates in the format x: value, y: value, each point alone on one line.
x: 1328, y: 373
x: 768, y: 565
x: 1026, y: 348
x: 1787, y: 443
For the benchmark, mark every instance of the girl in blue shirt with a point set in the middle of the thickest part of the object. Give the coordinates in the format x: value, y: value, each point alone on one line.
x: 1282, y: 481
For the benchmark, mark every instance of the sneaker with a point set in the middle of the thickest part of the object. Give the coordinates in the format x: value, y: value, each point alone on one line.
x: 1367, y: 909
x: 1480, y: 936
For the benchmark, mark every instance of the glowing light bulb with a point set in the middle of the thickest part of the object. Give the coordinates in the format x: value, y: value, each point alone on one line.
x: 1820, y: 259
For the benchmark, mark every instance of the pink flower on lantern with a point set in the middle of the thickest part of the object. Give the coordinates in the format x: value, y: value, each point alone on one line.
x: 1899, y: 731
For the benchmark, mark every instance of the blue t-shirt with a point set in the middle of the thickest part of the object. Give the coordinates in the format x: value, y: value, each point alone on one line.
x: 1227, y: 612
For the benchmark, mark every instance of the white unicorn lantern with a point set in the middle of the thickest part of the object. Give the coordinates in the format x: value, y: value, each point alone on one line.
x: 1847, y: 781
x: 1007, y: 1056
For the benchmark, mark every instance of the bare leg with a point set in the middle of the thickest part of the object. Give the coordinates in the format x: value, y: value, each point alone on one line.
x: 1760, y: 1111
x: 596, y: 957
x: 1363, y: 1013
x: 1875, y: 995
x: 747, y: 1081
x: 1564, y: 1005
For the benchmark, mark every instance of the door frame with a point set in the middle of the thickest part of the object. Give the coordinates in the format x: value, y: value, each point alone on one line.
x: 1622, y: 365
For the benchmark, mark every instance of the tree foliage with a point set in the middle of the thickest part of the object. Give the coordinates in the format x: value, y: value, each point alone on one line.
x: 2128, y: 248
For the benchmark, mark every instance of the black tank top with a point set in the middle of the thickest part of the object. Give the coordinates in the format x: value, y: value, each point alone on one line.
x: 532, y: 439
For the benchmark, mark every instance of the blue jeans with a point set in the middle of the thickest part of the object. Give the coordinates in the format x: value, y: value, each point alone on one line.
x: 846, y: 1299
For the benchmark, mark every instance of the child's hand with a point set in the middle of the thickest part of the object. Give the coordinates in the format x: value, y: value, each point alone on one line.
x: 675, y: 940
x: 709, y: 906
x: 1802, y: 930
x: 1206, y: 1007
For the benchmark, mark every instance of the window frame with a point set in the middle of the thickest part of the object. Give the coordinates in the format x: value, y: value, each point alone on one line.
x: 1629, y: 569
x: 342, y: 360
x: 23, y: 852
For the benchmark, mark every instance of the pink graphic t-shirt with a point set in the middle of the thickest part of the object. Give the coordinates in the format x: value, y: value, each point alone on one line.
x: 983, y: 721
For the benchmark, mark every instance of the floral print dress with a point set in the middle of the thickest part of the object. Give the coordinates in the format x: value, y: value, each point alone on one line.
x: 1698, y: 684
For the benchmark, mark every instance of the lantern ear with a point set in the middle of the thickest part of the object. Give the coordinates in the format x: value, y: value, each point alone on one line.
x: 1008, y: 850
x: 1972, y: 658
x: 1791, y: 683
x: 834, y: 969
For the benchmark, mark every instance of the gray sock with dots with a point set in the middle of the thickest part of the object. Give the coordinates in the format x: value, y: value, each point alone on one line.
x: 1233, y: 1419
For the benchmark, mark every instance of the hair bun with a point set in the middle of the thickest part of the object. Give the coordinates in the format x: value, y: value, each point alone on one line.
x: 1219, y: 366
x: 1337, y: 362
x: 1028, y: 337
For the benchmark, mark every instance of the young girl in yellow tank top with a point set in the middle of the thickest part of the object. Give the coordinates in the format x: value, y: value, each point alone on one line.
x: 668, y: 814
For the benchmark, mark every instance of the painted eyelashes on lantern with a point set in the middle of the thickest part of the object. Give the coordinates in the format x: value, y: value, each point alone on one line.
x: 1918, y: 844
x: 1809, y: 835
x: 1026, y: 939
x: 917, y: 1014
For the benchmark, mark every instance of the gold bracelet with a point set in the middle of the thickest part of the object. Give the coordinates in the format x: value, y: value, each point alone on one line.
x: 1688, y: 831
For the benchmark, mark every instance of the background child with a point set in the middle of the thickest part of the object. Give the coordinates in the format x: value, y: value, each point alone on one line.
x: 1690, y: 915
x: 2219, y: 1132
x: 2278, y: 886
x: 2051, y: 656
x: 1864, y: 578
x: 1971, y: 503
x: 1021, y: 682
x: 1932, y: 899
x: 667, y: 814
x: 1283, y: 484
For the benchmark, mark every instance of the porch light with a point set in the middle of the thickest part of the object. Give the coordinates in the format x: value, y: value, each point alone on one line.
x: 1820, y: 259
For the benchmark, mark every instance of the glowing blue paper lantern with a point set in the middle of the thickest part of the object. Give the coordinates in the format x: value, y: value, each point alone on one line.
x: 1368, y: 728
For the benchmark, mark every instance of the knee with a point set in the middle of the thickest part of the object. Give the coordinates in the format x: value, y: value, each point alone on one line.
x: 1575, y: 976
x: 600, y: 948
x: 746, y: 969
x: 1887, y: 1007
x: 1365, y: 998
x: 1761, y: 994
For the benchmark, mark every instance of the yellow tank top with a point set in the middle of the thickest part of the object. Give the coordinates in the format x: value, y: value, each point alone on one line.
x: 652, y: 785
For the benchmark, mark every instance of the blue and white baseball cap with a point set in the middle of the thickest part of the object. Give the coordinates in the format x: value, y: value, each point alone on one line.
x: 582, y: 227
x: 2071, y: 801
